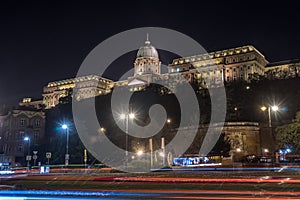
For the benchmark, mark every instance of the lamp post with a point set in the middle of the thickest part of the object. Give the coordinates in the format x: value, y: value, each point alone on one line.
x: 273, y: 108
x: 67, y: 156
x: 269, y: 108
x: 126, y: 117
x: 28, y: 158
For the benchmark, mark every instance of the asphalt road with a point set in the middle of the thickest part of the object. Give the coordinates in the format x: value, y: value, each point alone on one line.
x: 163, y: 185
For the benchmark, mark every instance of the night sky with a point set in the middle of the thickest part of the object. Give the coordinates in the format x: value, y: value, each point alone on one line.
x: 47, y: 41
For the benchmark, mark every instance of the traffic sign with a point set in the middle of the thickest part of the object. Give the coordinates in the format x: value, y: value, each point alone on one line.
x: 48, y: 155
x: 28, y: 157
x: 34, y: 157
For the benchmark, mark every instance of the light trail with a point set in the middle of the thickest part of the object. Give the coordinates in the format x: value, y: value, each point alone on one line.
x: 169, y: 194
x: 199, y: 180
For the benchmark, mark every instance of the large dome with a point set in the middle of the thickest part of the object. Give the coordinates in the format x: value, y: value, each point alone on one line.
x: 147, y: 51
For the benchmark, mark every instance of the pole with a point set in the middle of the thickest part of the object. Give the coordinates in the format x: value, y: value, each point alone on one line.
x: 67, y: 148
x: 269, y: 114
x: 126, y: 141
x: 85, y: 159
x: 163, y: 149
x: 151, y: 152
x: 28, y: 153
x: 271, y: 129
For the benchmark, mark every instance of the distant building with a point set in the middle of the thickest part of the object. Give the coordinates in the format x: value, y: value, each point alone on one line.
x: 30, y: 103
x: 244, y: 63
x: 15, y: 125
x: 86, y: 86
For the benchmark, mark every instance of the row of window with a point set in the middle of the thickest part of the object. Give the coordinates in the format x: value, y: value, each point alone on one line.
x: 239, y: 59
x: 227, y: 70
x: 235, y: 69
x: 235, y: 78
x: 9, y: 148
x: 149, y: 69
x: 23, y: 122
x: 21, y: 134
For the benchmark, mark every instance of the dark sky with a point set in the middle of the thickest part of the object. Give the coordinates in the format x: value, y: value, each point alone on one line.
x: 43, y: 41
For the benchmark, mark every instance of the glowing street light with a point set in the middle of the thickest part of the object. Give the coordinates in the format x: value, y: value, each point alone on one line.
x: 274, y: 108
x: 131, y: 115
x: 67, y: 156
x: 139, y: 152
x: 266, y: 150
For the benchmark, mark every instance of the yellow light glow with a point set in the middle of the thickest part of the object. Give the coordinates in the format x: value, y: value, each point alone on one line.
x: 131, y: 115
x: 263, y: 108
x: 139, y: 152
x: 266, y: 150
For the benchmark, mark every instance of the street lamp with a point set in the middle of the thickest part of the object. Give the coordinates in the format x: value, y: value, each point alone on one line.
x: 126, y: 117
x: 273, y: 108
x: 67, y: 156
x: 269, y: 108
x: 139, y: 152
x: 28, y: 158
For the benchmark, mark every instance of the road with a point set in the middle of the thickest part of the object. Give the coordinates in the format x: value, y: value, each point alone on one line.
x: 163, y: 185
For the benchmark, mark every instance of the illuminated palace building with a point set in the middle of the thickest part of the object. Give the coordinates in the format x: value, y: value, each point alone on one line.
x: 244, y: 63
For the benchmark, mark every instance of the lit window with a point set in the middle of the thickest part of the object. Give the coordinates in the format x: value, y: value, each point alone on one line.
x: 22, y: 122
x: 38, y: 123
x: 177, y: 69
x: 36, y: 136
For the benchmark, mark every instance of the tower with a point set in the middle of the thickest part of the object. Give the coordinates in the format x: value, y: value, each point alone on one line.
x: 147, y: 61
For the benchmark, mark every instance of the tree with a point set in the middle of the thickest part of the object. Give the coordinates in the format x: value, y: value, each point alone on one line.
x: 288, y: 136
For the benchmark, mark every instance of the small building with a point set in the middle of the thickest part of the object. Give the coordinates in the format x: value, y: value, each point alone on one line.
x: 15, y: 125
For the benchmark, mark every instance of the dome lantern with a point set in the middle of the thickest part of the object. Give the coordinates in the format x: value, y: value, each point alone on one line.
x: 147, y: 51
